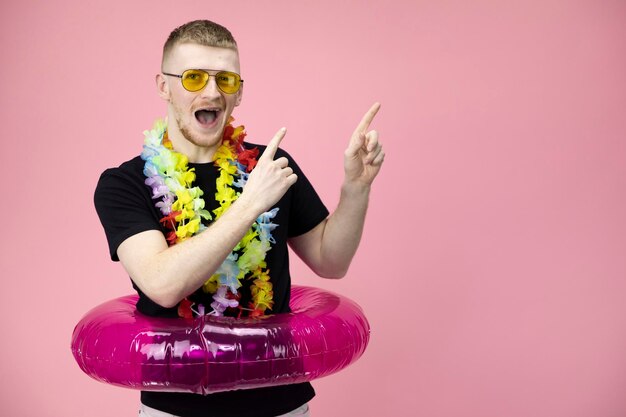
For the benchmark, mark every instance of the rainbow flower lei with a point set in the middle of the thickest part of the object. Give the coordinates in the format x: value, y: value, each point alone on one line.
x: 182, y: 206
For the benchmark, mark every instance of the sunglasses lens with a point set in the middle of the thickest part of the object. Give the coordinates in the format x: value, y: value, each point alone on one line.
x: 194, y: 80
x: 228, y: 82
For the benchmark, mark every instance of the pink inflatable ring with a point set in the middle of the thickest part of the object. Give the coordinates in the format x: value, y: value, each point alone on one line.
x: 114, y: 343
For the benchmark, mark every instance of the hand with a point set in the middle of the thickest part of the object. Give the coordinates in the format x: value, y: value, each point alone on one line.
x: 364, y: 155
x: 270, y: 179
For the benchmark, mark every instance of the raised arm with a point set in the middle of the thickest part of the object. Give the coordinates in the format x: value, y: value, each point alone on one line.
x: 168, y: 274
x: 329, y: 248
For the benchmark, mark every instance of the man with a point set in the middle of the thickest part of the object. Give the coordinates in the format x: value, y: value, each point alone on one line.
x: 180, y: 245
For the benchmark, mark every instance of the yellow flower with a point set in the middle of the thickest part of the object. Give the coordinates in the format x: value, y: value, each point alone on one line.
x: 184, y: 196
x: 254, y: 254
x: 211, y: 284
x: 263, y: 285
x: 221, y: 209
x: 238, y: 130
x: 187, y: 177
x: 189, y: 229
x: 186, y: 213
x: 262, y: 299
x: 184, y: 203
x: 225, y: 195
x: 223, y: 181
x: 180, y: 161
x: 223, y: 152
x: 247, y: 238
x: 261, y: 273
x: 227, y: 167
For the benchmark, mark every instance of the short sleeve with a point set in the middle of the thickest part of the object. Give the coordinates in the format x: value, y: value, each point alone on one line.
x: 124, y: 204
x: 307, y: 209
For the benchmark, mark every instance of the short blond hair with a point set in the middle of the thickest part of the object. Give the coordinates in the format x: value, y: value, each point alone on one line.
x: 201, y: 32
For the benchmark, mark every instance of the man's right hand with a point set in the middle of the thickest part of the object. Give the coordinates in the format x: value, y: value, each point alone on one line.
x: 270, y: 179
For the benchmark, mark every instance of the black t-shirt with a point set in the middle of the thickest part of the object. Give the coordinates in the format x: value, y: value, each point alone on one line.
x: 125, y: 207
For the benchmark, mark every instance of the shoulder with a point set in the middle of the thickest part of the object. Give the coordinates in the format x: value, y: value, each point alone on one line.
x: 129, y: 170
x: 126, y: 179
x: 129, y: 167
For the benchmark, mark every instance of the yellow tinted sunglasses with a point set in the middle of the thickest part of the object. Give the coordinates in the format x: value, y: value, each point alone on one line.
x: 196, y: 79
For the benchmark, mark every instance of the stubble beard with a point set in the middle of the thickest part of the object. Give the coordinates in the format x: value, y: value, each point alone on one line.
x: 185, y: 130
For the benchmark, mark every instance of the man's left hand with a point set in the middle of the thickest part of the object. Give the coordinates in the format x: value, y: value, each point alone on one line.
x: 364, y: 155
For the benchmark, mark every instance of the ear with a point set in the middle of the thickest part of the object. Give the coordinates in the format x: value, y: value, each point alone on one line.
x: 162, y: 87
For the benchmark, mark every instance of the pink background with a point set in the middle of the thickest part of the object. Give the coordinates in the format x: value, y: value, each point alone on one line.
x: 493, y: 265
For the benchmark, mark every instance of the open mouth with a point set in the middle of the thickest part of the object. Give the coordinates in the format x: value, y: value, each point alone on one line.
x: 206, y: 117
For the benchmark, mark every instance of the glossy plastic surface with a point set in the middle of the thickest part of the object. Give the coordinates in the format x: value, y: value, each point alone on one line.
x: 114, y: 343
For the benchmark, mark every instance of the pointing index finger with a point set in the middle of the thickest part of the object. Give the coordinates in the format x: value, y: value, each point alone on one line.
x: 367, y: 119
x: 272, y: 146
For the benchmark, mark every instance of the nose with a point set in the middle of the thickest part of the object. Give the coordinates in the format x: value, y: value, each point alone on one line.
x: 211, y: 89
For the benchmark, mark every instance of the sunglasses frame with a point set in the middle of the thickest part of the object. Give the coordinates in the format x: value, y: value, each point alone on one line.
x: 207, y: 80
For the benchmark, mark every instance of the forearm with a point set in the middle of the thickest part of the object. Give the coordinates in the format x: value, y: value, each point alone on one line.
x: 343, y: 231
x: 169, y: 274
